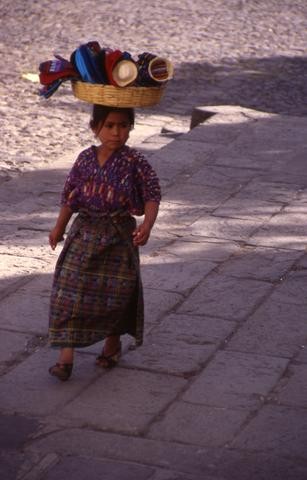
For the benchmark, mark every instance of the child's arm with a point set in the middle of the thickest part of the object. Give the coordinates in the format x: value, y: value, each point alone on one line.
x: 56, y: 234
x: 142, y: 232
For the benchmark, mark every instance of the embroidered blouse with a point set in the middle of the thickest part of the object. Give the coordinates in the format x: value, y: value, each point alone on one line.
x: 125, y: 182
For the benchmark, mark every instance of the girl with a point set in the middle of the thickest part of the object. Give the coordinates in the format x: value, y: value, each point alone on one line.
x: 97, y: 289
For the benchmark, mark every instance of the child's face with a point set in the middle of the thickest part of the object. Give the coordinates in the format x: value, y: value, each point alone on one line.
x: 114, y: 132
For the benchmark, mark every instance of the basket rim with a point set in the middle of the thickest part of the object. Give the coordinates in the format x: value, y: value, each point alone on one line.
x: 110, y: 95
x: 131, y: 88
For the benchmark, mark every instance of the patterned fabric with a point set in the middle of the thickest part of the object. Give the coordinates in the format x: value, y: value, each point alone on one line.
x: 144, y: 78
x: 126, y: 181
x: 97, y: 290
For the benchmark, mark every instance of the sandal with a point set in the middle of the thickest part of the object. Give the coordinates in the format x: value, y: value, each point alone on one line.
x: 109, y: 361
x: 61, y: 370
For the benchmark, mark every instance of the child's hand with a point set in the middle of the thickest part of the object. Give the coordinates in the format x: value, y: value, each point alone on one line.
x: 141, y: 234
x: 55, y: 236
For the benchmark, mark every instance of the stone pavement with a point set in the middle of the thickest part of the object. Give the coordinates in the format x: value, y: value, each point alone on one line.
x: 218, y: 390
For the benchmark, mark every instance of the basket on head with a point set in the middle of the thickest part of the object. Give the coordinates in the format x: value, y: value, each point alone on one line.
x: 117, y: 96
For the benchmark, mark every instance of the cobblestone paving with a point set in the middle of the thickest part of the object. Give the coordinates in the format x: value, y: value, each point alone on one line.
x: 239, y: 52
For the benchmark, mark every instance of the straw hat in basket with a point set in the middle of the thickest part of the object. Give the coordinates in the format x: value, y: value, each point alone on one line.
x: 124, y: 73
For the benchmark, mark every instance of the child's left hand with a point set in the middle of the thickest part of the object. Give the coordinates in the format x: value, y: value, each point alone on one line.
x: 141, y: 234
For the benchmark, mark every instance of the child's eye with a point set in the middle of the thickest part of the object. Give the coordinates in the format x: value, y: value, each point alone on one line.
x: 120, y: 125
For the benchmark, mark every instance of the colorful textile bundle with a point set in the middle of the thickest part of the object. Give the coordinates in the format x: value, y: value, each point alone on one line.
x: 92, y: 64
x: 53, y: 73
x: 153, y: 70
x: 103, y: 65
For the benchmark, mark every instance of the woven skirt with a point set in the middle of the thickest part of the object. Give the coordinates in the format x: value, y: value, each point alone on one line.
x: 97, y: 289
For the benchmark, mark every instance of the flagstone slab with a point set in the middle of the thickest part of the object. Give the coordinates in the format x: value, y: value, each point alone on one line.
x: 132, y: 399
x: 213, y: 131
x: 157, y: 304
x: 276, y: 429
x: 198, y: 425
x: 175, y: 475
x: 195, y: 460
x: 274, y: 329
x: 292, y: 391
x: 292, y: 290
x: 98, y: 469
x: 169, y: 273
x: 207, y: 198
x: 302, y: 355
x: 190, y: 248
x: 162, y: 353
x: 270, y: 190
x: 275, y: 134
x: 14, y: 267
x: 194, y: 329
x: 294, y: 180
x: 243, y: 160
x: 26, y: 311
x: 180, y: 344
x: 225, y: 228
x: 40, y: 286
x: 267, y: 264
x: 236, y: 380
x: 11, y: 463
x: 16, y: 430
x: 226, y: 297
x: 229, y: 114
x: 248, y: 208
x: 39, y: 252
x: 12, y: 344
x: 285, y: 230
x: 39, y: 394
x: 174, y: 214
x: 171, y: 161
x: 226, y: 178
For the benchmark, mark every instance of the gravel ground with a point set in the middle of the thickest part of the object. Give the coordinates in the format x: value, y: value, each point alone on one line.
x: 238, y: 52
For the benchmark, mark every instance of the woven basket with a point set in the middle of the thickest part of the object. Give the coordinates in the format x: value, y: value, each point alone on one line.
x: 117, y: 96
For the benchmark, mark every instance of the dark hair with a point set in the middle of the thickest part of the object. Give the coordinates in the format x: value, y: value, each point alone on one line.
x: 100, y: 113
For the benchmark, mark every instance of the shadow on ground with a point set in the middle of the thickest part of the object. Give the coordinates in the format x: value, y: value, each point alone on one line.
x: 273, y: 84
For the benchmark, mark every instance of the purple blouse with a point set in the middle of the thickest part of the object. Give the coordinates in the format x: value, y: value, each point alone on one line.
x: 125, y: 182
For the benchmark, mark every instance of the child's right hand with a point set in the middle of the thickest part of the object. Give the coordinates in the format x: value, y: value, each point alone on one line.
x: 55, y: 236
x: 141, y: 234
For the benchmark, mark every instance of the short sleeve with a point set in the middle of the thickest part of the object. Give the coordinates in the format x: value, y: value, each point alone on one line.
x: 72, y: 187
x: 147, y: 182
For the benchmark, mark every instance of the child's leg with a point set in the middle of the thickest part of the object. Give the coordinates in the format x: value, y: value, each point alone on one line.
x: 111, y: 345
x: 63, y: 368
x: 66, y: 355
x: 111, y: 352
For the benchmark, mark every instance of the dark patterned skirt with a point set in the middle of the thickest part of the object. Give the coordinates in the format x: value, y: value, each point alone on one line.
x: 97, y: 289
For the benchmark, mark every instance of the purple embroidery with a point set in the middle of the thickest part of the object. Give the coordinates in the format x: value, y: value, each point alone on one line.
x: 126, y: 181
